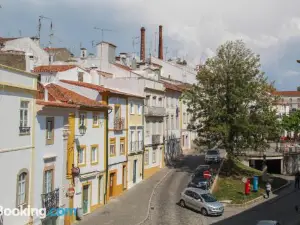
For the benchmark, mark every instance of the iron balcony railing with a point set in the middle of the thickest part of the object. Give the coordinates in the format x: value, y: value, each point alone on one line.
x: 24, y: 130
x: 136, y: 146
x: 156, y: 139
x: 119, y: 123
x: 50, y: 200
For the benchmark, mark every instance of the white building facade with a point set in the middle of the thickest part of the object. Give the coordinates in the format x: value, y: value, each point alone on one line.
x: 17, y: 98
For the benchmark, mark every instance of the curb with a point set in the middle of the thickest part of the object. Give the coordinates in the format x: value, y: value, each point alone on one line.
x: 258, y: 198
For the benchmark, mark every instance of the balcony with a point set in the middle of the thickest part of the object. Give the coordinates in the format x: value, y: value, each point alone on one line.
x: 155, y: 111
x: 156, y: 139
x: 50, y: 200
x: 136, y: 146
x: 119, y: 123
x: 24, y: 130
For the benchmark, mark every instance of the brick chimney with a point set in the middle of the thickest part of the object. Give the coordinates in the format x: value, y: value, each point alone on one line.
x: 142, y: 51
x: 160, y: 44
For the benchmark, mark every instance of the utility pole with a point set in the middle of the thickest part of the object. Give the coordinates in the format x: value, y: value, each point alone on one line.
x: 155, y: 34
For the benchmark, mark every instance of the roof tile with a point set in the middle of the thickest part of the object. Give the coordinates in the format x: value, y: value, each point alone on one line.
x: 287, y: 93
x: 53, y: 68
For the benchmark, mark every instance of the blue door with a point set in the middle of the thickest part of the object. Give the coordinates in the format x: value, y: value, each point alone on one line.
x: 134, y: 171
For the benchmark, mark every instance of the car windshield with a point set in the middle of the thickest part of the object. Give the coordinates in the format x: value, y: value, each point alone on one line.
x: 208, y: 198
x: 213, y: 152
x: 199, y: 179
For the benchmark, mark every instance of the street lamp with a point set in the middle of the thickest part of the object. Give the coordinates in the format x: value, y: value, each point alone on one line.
x: 82, y: 130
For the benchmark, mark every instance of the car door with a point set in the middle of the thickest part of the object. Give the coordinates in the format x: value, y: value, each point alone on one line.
x: 189, y: 198
x: 197, y: 201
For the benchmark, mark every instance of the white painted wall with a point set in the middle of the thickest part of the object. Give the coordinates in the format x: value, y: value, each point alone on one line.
x: 176, y: 72
x: 50, y: 155
x: 41, y: 57
x: 15, y: 149
x: 71, y: 74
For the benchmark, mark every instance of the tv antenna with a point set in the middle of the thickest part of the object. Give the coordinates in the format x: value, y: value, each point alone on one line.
x: 40, y: 28
x: 166, y: 52
x: 155, y: 34
x: 134, y: 42
x: 102, y: 31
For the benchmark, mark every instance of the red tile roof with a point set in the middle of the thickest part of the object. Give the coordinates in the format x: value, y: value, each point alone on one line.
x: 3, y: 40
x: 53, y: 68
x: 59, y: 96
x: 99, y: 88
x: 287, y: 93
x: 172, y: 87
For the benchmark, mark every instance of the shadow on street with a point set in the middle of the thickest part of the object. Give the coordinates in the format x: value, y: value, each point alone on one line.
x: 280, y: 208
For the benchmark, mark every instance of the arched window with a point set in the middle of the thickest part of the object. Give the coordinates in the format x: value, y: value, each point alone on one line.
x: 22, y: 187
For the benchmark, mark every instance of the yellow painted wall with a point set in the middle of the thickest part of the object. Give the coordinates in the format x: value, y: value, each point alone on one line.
x: 135, y: 119
x: 150, y: 171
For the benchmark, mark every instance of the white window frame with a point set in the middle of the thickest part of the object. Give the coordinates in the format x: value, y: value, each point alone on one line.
x: 110, y: 148
x: 154, y: 156
x: 95, y: 116
x: 131, y: 108
x: 139, y: 109
x: 83, y: 156
x: 48, y: 181
x: 22, y: 189
x: 24, y: 114
x: 94, y: 152
x: 122, y: 147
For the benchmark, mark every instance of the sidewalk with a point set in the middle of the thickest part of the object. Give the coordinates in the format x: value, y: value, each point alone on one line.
x: 128, y: 209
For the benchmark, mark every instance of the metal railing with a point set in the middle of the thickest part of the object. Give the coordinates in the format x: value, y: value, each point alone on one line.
x: 24, y: 130
x: 119, y: 123
x: 50, y: 200
x: 155, y: 111
x: 135, y: 146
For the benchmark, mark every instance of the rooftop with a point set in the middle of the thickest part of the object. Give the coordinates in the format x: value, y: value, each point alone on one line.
x: 287, y: 93
x: 53, y: 68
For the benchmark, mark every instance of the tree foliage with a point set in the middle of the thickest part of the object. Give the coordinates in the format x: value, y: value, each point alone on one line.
x: 298, y: 88
x: 232, y: 102
x: 291, y: 122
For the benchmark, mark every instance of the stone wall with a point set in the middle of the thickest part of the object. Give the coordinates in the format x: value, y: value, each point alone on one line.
x: 13, y: 59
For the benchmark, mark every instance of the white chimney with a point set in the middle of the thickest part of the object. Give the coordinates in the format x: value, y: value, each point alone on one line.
x: 29, y: 59
x: 83, y: 53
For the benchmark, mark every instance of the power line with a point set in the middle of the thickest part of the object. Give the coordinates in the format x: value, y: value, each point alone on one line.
x: 102, y: 31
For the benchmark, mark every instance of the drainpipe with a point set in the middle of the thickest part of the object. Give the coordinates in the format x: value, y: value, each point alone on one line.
x: 106, y: 156
x: 143, y: 143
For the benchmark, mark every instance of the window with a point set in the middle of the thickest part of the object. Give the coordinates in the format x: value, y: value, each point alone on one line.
x: 50, y: 130
x: 153, y: 127
x: 160, y: 102
x: 81, y: 156
x: 131, y: 108
x: 147, y: 100
x: 154, y: 156
x: 148, y: 128
x: 154, y: 101
x: 22, y: 187
x: 112, y: 147
x: 24, y: 117
x: 132, y: 139
x: 184, y: 118
x: 146, y: 157
x: 94, y: 154
x: 82, y: 119
x: 122, y: 146
x: 139, y: 141
x: 177, y: 122
x: 172, y: 122
x: 139, y: 109
x: 80, y: 76
x: 117, y: 111
x: 48, y: 181
x: 95, y: 120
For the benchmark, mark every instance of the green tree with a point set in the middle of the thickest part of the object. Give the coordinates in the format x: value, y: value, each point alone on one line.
x: 231, y: 103
x: 298, y: 88
x: 291, y: 122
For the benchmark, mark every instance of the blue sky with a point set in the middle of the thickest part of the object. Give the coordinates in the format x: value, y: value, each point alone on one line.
x: 192, y: 28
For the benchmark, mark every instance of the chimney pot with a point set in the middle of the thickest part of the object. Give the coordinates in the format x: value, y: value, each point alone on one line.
x: 142, y: 51
x: 160, y: 44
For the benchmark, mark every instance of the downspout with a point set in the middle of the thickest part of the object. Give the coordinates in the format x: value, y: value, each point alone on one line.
x: 106, y: 150
x: 143, y: 132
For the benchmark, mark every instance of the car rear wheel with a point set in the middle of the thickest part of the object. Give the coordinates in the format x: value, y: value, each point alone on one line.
x: 182, y: 203
x: 204, y: 212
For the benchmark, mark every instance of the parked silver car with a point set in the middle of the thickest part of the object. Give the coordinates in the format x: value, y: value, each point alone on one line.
x: 212, y: 156
x: 202, y: 201
x: 268, y: 222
